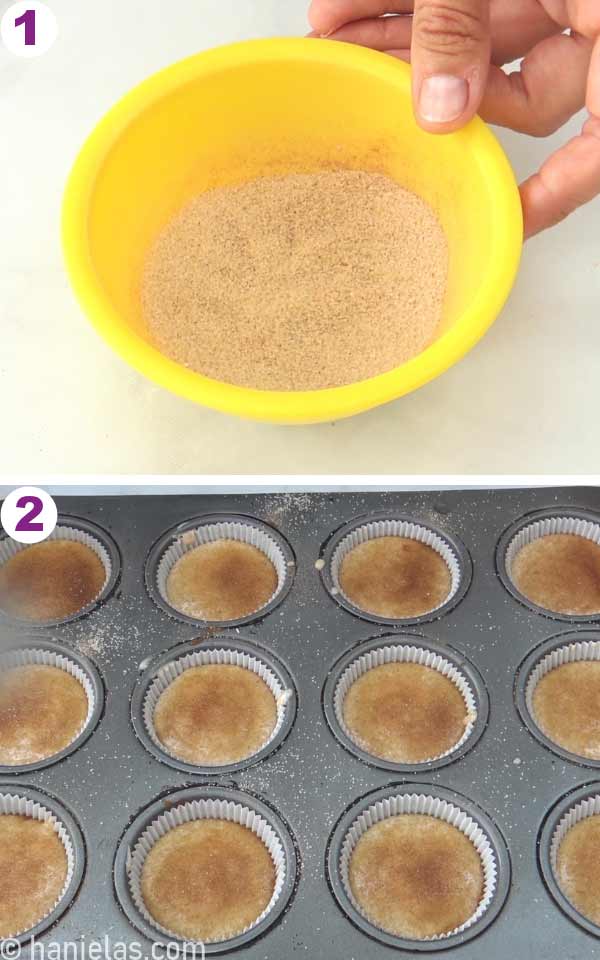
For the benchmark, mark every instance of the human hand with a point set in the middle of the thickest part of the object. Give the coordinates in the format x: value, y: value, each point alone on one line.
x: 457, y: 49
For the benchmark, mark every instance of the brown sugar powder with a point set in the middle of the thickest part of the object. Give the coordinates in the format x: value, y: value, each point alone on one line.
x: 300, y: 282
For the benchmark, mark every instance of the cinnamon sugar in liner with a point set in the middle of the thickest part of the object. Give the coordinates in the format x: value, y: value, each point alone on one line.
x: 53, y: 580
x: 394, y: 570
x: 225, y: 571
x: 554, y: 564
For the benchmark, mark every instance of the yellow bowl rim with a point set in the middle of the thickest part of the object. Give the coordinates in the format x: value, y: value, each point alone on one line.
x: 279, y: 406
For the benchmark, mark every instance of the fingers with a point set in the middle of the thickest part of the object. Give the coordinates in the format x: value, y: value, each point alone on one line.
x: 327, y: 16
x: 569, y: 179
x: 451, y: 51
x: 531, y: 100
x: 380, y: 33
x: 583, y: 16
x: 593, y: 88
x: 516, y: 31
x: 508, y: 41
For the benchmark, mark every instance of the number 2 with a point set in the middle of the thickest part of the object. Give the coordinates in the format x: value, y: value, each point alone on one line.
x: 28, y: 21
x: 26, y: 524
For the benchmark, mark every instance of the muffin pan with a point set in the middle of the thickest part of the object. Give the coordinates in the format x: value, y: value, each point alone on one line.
x: 307, y: 782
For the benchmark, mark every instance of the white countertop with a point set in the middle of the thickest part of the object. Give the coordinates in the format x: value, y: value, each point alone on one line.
x: 526, y: 400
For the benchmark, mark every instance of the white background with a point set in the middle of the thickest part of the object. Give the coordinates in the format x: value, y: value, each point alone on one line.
x: 525, y: 400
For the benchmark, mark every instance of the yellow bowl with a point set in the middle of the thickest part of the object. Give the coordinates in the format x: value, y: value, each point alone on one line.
x: 269, y: 107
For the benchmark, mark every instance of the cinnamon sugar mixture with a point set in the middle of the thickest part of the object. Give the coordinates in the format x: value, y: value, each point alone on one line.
x: 299, y: 282
x: 42, y: 710
x: 578, y: 867
x: 566, y: 707
x: 222, y: 580
x: 405, y: 712
x: 215, y: 714
x: 208, y: 879
x: 416, y: 876
x: 395, y: 577
x: 50, y: 580
x: 560, y: 572
x: 33, y: 870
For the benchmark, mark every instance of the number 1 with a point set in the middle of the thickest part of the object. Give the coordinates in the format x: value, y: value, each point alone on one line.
x: 28, y: 20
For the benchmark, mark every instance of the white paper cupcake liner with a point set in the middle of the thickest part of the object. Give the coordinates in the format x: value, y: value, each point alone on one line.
x: 238, y: 658
x: 9, y: 548
x: 550, y: 526
x: 204, y: 809
x: 396, y: 528
x: 589, y: 807
x: 25, y: 807
x: 403, y: 653
x: 48, y: 658
x: 431, y: 806
x: 570, y: 653
x: 211, y: 533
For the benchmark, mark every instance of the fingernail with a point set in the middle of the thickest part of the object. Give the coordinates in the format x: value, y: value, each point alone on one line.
x: 443, y: 98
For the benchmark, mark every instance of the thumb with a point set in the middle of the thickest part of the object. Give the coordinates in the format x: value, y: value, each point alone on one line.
x: 451, y: 52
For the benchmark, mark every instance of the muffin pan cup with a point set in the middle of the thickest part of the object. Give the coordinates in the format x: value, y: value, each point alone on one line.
x: 80, y: 531
x: 406, y: 648
x: 570, y: 809
x: 377, y: 525
x: 571, y: 647
x: 28, y: 802
x: 221, y: 649
x: 538, y: 524
x: 446, y: 805
x: 311, y: 778
x: 41, y: 651
x: 173, y: 544
x: 183, y: 806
